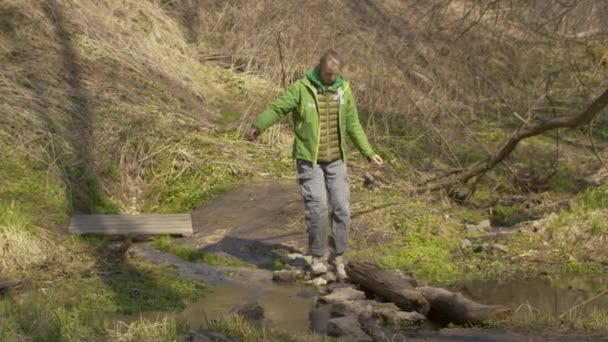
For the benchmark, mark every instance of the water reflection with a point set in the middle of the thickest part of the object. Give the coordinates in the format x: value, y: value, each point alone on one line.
x: 553, y: 295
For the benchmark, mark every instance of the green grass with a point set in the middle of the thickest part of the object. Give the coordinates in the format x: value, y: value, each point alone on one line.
x: 576, y: 322
x: 246, y: 331
x: 191, y: 191
x: 187, y: 253
x: 425, y: 239
x: 80, y: 308
x: 508, y: 215
x: 37, y: 189
x: 595, y: 197
x: 426, y: 256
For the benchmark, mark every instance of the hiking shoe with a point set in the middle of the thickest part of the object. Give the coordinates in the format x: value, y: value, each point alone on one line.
x: 338, y: 264
x: 318, y: 266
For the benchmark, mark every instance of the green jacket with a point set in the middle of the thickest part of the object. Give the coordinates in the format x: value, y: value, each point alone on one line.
x: 301, y: 100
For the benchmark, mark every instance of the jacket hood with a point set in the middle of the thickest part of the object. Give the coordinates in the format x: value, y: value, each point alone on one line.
x: 313, y: 76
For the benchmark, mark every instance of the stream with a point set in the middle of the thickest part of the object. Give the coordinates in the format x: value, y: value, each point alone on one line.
x: 290, y: 307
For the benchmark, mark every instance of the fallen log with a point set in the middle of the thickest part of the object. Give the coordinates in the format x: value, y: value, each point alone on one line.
x: 408, y: 294
x: 391, y: 286
x: 453, y: 307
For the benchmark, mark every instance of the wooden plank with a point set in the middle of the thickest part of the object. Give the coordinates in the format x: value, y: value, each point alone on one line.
x: 132, y: 224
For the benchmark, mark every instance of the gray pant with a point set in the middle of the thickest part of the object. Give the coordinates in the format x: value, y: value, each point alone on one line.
x: 321, y: 184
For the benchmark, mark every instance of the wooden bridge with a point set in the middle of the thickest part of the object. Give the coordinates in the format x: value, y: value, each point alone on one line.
x: 145, y: 224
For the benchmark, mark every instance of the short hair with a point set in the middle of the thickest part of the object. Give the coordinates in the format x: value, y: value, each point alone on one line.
x: 328, y: 56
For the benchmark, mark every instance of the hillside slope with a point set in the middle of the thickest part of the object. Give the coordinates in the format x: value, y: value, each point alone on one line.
x: 139, y: 106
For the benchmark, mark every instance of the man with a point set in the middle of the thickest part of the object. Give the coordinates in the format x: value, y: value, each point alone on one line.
x: 324, y: 112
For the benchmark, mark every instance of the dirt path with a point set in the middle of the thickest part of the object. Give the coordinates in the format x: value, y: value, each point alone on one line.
x: 255, y: 222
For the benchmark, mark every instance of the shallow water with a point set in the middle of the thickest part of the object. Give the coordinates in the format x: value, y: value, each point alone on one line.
x: 291, y: 308
x: 553, y: 295
x: 286, y: 307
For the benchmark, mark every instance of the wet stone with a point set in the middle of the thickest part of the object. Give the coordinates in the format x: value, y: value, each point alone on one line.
x: 344, y: 293
x: 377, y: 332
x: 251, y: 311
x: 340, y: 284
x: 398, y: 319
x: 319, y: 281
x: 288, y: 276
x: 205, y: 336
x: 319, y: 316
x: 341, y: 308
x: 348, y: 328
x: 330, y: 277
x: 298, y: 260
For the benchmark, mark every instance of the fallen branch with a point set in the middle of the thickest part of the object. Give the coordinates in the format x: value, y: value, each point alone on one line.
x: 520, y: 134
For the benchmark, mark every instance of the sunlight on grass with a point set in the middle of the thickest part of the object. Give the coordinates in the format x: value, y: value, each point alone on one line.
x: 165, y: 244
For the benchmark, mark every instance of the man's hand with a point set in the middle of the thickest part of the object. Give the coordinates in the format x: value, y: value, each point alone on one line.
x: 252, y: 134
x: 376, y: 159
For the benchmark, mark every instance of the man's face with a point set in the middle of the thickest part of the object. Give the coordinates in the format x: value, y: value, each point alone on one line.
x: 329, y: 72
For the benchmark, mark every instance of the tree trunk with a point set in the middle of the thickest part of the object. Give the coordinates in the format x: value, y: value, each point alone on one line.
x: 388, y: 285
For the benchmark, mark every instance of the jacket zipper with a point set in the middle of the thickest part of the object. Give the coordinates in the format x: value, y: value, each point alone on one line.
x: 314, y: 91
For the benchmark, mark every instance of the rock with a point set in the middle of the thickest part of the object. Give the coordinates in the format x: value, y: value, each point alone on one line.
x: 372, y: 328
x: 298, y: 260
x: 344, y: 293
x: 398, y: 319
x: 288, y: 276
x: 319, y: 281
x: 459, y: 194
x: 347, y: 328
x: 341, y: 308
x: 481, y: 248
x: 465, y: 243
x: 338, y: 285
x: 251, y: 311
x: 500, y: 248
x: 330, y: 277
x: 382, y: 306
x: 482, y: 226
x: 205, y: 336
x: 319, y: 316
x: 377, y: 332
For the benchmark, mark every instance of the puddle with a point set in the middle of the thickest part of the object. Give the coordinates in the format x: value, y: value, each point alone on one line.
x: 286, y: 307
x: 548, y: 294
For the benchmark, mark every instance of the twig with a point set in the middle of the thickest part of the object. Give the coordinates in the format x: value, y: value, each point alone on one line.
x: 583, y: 303
x: 281, y: 59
